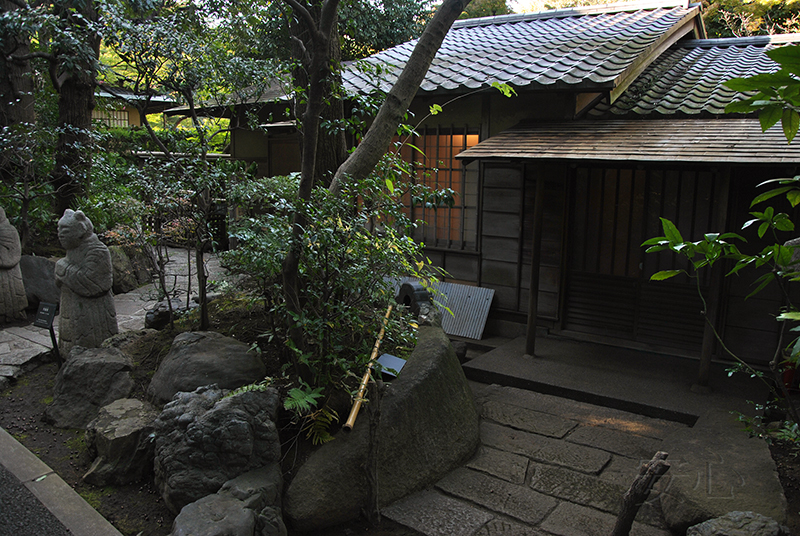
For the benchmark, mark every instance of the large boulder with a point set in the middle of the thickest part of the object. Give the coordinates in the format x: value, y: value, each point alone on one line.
x: 248, y: 505
x: 203, y: 358
x: 121, y: 438
x: 123, y: 272
x: 428, y: 426
x: 695, y: 490
x: 39, y: 278
x: 90, y: 379
x: 204, y: 439
x: 739, y: 524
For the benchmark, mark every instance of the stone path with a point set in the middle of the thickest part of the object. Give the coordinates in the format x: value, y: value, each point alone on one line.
x: 24, y: 347
x: 546, y: 465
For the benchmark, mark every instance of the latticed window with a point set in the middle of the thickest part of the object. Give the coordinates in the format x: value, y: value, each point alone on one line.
x: 112, y: 118
x: 432, y: 153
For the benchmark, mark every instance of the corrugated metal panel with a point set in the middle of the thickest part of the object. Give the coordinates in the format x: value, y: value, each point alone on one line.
x: 469, y: 307
x: 680, y: 140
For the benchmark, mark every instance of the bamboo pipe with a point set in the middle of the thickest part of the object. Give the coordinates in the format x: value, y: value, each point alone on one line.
x: 362, y: 389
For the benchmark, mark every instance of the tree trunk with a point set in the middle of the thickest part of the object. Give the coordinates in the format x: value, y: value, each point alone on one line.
x: 16, y: 108
x: 633, y: 499
x: 318, y: 65
x: 73, y: 158
x: 362, y: 161
x: 16, y: 81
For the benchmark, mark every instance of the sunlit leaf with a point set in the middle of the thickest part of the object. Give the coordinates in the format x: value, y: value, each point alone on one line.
x: 664, y: 274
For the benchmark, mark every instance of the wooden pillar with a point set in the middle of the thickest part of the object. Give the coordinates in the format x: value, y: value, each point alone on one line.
x: 536, y: 249
x: 715, y: 287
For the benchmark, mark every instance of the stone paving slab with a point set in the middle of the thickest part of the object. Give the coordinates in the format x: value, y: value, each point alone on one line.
x: 435, y: 514
x: 577, y: 411
x: 505, y: 465
x: 575, y: 520
x: 622, y: 470
x: 29, y: 333
x: 615, y: 441
x: 590, y: 491
x: 519, y: 502
x: 544, y: 449
x: 20, y: 352
x: 526, y: 419
x: 505, y: 527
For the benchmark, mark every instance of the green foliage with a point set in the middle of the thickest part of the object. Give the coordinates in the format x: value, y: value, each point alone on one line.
x: 486, y: 8
x: 318, y: 425
x: 778, y: 264
x: 737, y: 18
x: 775, y: 96
x: 353, y: 253
x: 259, y: 387
x: 302, y: 400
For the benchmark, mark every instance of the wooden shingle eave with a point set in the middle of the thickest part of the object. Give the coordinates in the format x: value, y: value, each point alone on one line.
x: 731, y: 141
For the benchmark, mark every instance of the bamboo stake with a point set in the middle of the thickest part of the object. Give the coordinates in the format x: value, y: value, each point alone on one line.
x: 351, y: 420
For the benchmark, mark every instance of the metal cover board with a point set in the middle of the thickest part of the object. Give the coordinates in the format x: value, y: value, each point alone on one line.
x: 469, y: 305
x: 392, y: 365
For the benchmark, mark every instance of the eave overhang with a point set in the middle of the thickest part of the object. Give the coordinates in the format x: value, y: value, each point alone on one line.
x: 720, y: 141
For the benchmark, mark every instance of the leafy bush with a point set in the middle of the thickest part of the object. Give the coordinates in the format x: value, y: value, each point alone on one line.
x: 355, y: 250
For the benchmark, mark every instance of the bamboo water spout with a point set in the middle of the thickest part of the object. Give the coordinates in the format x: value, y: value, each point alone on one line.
x: 351, y: 420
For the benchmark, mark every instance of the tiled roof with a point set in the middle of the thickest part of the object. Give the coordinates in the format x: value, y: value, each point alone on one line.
x: 567, y: 48
x: 684, y: 140
x: 688, y: 80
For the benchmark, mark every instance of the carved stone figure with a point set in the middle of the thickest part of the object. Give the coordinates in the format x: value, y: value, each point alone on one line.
x: 85, y: 276
x: 12, y: 291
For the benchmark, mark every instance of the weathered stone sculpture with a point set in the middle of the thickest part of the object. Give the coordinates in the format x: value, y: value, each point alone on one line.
x: 12, y: 291
x: 85, y: 276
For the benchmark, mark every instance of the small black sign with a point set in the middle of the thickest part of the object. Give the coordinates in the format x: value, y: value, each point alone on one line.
x: 45, y: 315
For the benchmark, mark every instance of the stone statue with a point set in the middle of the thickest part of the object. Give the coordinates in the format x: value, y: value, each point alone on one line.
x: 85, y: 276
x: 12, y: 291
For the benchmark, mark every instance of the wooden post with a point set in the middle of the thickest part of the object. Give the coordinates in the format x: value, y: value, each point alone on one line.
x: 536, y: 250
x: 633, y: 499
x: 715, y: 286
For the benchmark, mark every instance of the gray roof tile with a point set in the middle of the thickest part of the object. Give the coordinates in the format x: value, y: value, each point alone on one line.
x: 688, y: 79
x: 591, y: 45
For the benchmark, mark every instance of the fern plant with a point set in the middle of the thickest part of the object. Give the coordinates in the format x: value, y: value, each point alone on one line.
x: 302, y: 400
x: 318, y: 425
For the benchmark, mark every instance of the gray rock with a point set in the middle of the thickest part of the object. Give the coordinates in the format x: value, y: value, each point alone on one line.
x: 122, y: 439
x: 696, y: 489
x: 429, y: 315
x: 247, y: 505
x: 88, y: 315
x: 429, y: 426
x: 204, y: 358
x: 142, y: 263
x: 124, y: 276
x: 90, y: 379
x: 739, y: 524
x: 204, y: 439
x: 158, y: 316
x: 126, y: 338
x: 215, y: 515
x: 39, y: 277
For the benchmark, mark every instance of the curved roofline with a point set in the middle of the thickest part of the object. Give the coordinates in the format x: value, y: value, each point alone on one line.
x: 619, y: 7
